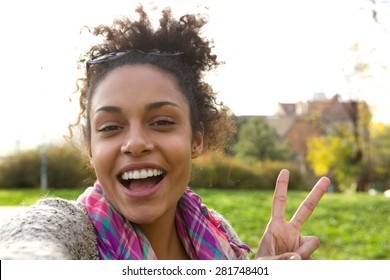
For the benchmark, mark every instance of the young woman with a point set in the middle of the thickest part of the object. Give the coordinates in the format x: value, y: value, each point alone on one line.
x: 146, y: 112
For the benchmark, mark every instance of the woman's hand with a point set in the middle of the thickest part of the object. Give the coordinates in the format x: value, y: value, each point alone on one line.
x: 282, y: 240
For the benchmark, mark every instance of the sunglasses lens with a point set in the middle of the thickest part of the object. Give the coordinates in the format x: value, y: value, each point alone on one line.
x: 107, y: 57
x: 115, y: 55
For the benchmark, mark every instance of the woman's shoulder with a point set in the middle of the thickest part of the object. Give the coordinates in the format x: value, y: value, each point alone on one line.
x: 53, y: 228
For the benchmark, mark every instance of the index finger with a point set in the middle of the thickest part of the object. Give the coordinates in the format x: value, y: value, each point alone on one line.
x: 280, y: 195
x: 307, y: 207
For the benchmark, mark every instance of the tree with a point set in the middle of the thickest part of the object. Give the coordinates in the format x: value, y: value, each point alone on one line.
x: 380, y: 154
x: 331, y: 156
x: 258, y: 141
x: 377, y: 8
x: 335, y: 156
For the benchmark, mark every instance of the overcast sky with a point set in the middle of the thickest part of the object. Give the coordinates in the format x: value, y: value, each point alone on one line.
x: 274, y: 51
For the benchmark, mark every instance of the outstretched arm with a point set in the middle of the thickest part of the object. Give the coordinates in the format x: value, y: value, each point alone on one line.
x: 51, y: 229
x: 282, y: 239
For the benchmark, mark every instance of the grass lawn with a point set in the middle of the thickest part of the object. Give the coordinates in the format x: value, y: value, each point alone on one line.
x: 30, y: 196
x: 350, y: 227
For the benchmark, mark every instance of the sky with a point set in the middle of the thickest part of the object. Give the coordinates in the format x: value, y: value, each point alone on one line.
x: 274, y: 51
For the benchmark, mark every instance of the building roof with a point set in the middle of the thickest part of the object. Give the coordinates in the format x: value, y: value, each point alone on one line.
x: 282, y: 124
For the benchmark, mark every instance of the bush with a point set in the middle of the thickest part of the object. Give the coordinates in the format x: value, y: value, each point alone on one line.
x: 20, y: 170
x: 270, y: 170
x: 218, y: 171
x: 65, y: 169
x: 215, y: 170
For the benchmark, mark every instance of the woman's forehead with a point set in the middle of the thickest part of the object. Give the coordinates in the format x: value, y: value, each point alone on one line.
x: 138, y: 84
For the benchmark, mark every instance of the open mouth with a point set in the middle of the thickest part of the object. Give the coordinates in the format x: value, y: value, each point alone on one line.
x: 143, y: 179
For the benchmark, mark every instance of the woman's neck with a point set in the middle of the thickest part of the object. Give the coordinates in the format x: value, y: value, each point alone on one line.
x: 165, y: 239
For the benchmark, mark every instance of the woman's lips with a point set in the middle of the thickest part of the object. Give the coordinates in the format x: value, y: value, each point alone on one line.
x: 142, y: 188
x: 141, y: 179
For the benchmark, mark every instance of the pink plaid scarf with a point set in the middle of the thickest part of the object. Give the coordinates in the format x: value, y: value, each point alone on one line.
x: 201, y: 233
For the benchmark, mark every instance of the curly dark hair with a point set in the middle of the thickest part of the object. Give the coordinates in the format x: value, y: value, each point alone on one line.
x: 172, y: 35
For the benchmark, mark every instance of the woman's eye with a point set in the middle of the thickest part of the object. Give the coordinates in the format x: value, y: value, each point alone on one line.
x: 163, y: 122
x: 109, y: 128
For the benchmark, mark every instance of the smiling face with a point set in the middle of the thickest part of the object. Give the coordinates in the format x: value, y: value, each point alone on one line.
x: 141, y: 142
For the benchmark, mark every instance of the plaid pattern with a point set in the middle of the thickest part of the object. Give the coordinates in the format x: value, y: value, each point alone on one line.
x: 202, y: 235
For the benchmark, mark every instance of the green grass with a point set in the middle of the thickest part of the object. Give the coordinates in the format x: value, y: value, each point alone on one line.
x: 350, y: 227
x: 25, y: 197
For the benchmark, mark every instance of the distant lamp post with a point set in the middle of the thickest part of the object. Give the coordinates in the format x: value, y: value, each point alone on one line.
x: 43, y: 171
x: 17, y: 146
x: 44, y: 184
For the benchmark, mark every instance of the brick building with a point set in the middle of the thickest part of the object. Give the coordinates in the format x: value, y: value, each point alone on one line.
x: 297, y: 122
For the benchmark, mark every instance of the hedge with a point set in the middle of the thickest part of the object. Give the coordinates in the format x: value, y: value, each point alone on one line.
x: 214, y: 170
x: 66, y: 169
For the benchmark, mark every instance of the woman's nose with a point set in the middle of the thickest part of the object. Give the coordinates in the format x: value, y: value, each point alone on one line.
x: 137, y: 142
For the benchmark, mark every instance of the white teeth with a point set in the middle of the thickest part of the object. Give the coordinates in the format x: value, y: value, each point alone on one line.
x: 144, y: 174
x: 136, y: 175
x: 141, y: 174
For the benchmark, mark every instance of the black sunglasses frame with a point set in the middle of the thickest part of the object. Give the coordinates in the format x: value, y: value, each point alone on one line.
x: 116, y: 55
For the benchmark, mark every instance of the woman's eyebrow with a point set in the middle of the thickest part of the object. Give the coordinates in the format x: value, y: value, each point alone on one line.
x: 148, y: 107
x: 159, y: 104
x: 110, y: 109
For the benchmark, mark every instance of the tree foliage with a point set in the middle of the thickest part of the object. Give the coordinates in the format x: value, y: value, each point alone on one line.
x: 331, y: 156
x: 258, y: 141
x: 380, y: 153
x: 335, y: 156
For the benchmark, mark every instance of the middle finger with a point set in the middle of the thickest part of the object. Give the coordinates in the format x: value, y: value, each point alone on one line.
x: 306, y: 208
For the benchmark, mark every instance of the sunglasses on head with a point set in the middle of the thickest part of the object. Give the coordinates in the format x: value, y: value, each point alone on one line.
x: 116, y: 55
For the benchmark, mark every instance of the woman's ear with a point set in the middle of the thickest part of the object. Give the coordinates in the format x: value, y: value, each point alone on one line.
x: 197, y: 142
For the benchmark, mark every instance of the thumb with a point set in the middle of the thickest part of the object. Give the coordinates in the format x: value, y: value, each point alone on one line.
x: 285, y: 256
x: 290, y: 256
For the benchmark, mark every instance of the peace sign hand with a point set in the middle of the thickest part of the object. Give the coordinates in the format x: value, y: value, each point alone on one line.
x: 282, y: 239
